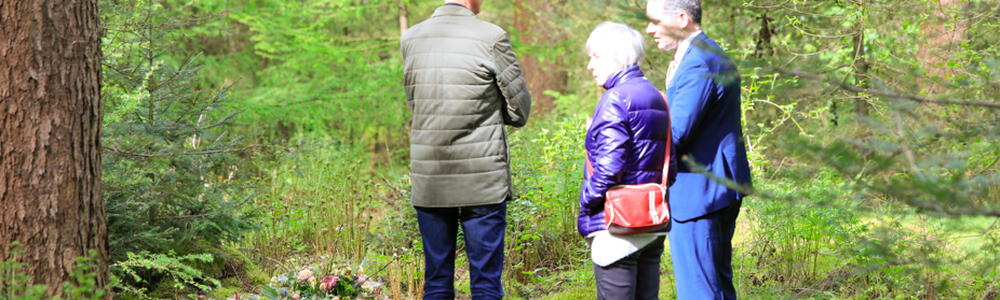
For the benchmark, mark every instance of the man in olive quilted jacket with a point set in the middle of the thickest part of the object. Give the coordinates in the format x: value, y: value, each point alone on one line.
x: 463, y: 84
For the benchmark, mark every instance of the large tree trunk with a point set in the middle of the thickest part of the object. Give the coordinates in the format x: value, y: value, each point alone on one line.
x: 531, y: 18
x: 50, y: 127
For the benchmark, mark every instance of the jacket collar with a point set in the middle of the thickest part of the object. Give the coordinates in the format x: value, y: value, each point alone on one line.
x: 623, y: 75
x: 697, y: 39
x: 453, y: 10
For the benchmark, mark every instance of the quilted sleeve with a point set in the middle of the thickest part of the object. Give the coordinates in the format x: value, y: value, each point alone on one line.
x: 517, y: 99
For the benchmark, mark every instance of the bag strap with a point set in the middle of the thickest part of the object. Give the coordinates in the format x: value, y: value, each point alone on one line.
x: 670, y: 143
x: 666, y: 156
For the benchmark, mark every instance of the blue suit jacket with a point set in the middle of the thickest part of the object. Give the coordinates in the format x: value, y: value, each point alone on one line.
x: 704, y: 98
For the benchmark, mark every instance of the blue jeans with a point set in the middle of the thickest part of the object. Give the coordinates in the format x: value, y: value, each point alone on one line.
x: 483, y: 227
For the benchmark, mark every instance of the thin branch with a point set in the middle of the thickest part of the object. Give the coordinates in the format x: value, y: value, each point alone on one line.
x: 987, y: 168
x: 906, y: 150
x: 882, y: 93
x: 116, y: 150
x: 183, y: 217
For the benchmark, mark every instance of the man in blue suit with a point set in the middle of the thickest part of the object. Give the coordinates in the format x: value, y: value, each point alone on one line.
x: 703, y: 91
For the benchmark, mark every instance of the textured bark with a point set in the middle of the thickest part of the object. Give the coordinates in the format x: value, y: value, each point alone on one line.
x: 531, y: 18
x: 762, y: 38
x: 404, y: 19
x: 50, y: 127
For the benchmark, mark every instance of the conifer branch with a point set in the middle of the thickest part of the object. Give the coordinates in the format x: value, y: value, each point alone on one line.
x: 857, y: 89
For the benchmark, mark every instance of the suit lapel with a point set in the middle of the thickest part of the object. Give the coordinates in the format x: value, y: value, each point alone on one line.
x: 697, y: 41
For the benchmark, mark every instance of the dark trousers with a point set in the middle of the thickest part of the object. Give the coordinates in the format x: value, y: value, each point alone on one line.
x: 636, y: 276
x: 702, y: 253
x: 483, y: 227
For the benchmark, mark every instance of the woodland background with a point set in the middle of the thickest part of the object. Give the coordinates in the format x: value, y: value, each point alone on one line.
x: 244, y: 138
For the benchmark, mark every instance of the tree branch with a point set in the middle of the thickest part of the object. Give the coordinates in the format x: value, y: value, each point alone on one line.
x: 882, y: 93
x: 183, y: 217
x: 119, y: 151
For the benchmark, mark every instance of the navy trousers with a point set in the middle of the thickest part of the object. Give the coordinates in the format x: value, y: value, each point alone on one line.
x: 702, y: 253
x: 483, y: 227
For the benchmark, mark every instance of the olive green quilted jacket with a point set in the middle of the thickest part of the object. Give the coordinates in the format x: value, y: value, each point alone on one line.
x: 463, y: 84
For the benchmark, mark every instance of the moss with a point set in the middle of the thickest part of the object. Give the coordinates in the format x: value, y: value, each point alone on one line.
x: 258, y: 276
x: 223, y: 292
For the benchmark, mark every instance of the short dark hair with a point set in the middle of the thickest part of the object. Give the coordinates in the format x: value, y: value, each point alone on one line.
x: 691, y: 7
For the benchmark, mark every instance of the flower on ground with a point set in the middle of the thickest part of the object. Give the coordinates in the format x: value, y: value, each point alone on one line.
x: 312, y: 281
x: 362, y: 278
x: 371, y: 287
x: 329, y: 282
x: 304, y: 275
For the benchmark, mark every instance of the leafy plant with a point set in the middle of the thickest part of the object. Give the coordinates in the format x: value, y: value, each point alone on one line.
x: 177, y: 268
x: 15, y: 284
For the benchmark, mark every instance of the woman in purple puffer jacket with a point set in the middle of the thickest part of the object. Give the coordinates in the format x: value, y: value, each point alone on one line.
x: 626, y: 142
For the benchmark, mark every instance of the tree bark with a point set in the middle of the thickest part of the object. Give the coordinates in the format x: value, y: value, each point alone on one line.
x: 50, y: 127
x: 404, y: 20
x: 762, y: 39
x: 531, y: 19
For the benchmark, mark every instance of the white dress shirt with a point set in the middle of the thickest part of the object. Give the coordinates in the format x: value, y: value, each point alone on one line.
x: 681, y: 49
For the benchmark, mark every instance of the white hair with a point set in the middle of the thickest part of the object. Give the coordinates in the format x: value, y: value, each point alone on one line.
x: 625, y: 44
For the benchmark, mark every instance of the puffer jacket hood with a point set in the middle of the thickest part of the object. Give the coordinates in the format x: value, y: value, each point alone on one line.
x: 626, y: 143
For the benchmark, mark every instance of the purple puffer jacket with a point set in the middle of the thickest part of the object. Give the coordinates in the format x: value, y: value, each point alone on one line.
x: 626, y: 143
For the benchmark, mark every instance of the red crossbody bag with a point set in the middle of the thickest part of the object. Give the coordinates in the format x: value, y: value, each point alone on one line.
x: 639, y: 208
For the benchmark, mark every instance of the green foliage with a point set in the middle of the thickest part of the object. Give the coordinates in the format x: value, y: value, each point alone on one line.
x: 174, y: 180
x: 170, y: 169
x: 16, y: 285
x: 315, y: 81
x: 546, y: 166
x: 177, y: 267
x: 861, y: 192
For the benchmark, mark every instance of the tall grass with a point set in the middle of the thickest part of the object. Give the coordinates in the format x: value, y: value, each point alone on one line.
x: 317, y: 204
x: 546, y: 164
x: 325, y: 202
